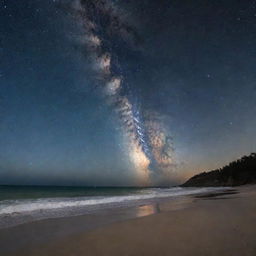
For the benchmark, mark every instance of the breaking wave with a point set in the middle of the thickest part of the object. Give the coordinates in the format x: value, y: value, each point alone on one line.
x: 22, y: 206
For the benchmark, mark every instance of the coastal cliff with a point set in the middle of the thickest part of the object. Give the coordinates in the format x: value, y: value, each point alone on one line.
x: 240, y: 172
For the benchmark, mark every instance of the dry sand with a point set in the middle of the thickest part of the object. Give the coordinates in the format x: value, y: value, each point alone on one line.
x: 223, y: 226
x: 216, y: 226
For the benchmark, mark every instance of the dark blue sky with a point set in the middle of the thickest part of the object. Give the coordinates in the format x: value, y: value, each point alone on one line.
x: 193, y: 63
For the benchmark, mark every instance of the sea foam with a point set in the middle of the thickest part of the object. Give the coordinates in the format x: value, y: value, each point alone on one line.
x: 46, y: 204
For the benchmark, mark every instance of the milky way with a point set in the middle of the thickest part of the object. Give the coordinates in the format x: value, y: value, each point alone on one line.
x: 148, y: 145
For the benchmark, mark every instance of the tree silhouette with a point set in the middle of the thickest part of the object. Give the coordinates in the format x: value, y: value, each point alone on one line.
x: 239, y: 172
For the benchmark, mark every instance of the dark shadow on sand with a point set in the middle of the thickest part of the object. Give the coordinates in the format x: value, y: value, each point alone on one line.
x: 217, y: 195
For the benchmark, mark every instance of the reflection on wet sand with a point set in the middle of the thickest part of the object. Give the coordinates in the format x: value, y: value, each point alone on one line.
x: 163, y: 206
x: 146, y: 210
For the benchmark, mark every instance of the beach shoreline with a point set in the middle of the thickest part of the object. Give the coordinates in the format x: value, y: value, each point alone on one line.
x: 213, y: 224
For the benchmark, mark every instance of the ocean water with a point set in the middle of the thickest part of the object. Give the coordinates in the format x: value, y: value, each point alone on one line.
x: 20, y: 204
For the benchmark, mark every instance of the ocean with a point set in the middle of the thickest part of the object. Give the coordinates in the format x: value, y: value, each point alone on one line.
x: 21, y: 204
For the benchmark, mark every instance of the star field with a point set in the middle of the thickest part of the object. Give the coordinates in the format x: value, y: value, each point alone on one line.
x: 187, y: 65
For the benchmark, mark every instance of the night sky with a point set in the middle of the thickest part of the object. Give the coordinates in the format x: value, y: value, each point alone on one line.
x: 110, y: 92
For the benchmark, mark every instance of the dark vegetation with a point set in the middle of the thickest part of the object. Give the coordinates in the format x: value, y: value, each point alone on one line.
x: 240, y: 172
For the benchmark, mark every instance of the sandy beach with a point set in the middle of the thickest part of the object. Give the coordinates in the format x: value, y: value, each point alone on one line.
x: 222, y: 225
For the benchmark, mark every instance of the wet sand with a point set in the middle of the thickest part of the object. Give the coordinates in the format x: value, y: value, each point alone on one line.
x: 222, y: 224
